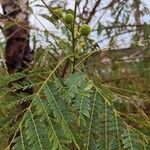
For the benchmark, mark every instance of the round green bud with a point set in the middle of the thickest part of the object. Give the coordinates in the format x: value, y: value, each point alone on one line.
x: 69, y: 18
x: 58, y: 13
x: 85, y: 30
x: 70, y: 11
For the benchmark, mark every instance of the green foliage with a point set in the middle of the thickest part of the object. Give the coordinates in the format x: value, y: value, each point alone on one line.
x: 73, y: 113
x: 99, y: 28
x: 75, y: 110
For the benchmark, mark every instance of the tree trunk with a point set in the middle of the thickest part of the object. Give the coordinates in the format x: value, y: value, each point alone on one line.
x: 18, y: 53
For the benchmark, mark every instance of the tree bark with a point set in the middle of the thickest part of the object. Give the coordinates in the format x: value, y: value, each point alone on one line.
x: 18, y: 53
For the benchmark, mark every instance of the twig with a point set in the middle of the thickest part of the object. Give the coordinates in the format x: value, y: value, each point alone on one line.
x: 93, y: 11
x: 74, y: 36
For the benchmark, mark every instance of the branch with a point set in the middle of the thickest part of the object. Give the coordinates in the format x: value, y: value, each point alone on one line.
x: 93, y: 11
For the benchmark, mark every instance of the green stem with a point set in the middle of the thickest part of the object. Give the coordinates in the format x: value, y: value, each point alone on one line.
x: 74, y: 37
